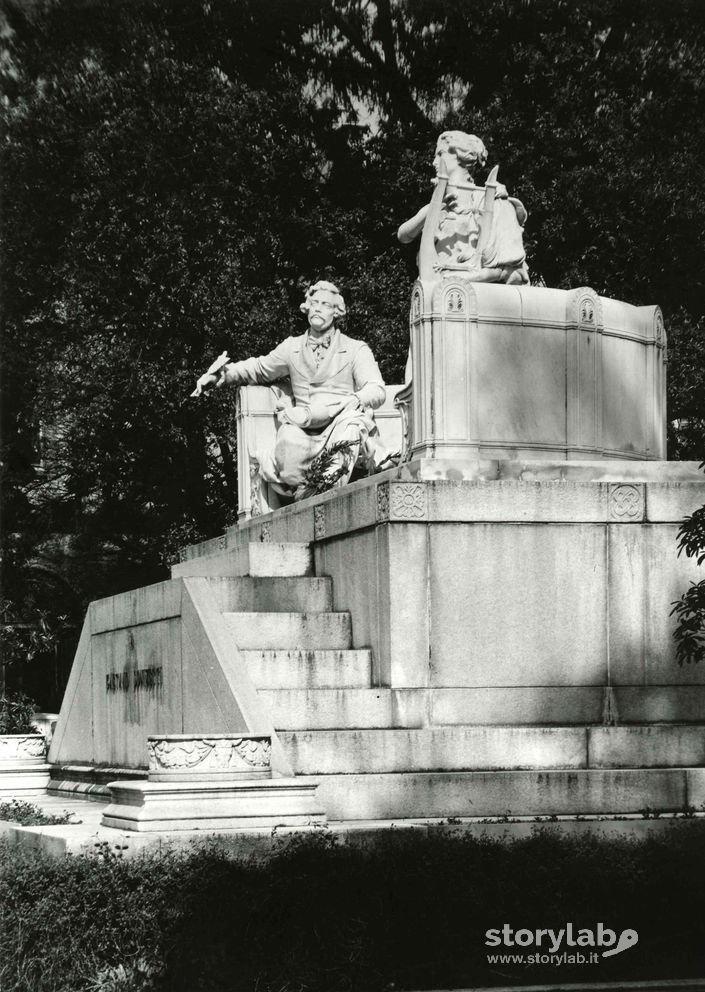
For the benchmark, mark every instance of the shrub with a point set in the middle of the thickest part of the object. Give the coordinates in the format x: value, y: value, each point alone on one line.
x: 30, y: 815
x: 16, y: 714
x: 410, y: 911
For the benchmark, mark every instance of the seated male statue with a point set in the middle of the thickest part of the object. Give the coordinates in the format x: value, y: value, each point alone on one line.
x: 335, y: 382
x: 479, y: 231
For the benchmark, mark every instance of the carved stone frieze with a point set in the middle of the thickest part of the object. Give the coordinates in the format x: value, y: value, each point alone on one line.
x: 22, y: 747
x: 319, y: 522
x: 265, y: 534
x: 198, y: 755
x: 626, y: 502
x: 383, y: 502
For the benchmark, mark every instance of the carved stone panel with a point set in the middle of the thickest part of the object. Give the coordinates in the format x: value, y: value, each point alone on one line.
x: 454, y: 302
x: 383, y: 502
x: 22, y: 747
x: 588, y: 309
x: 319, y: 522
x: 627, y: 503
x: 407, y: 501
x: 416, y: 305
x: 216, y: 756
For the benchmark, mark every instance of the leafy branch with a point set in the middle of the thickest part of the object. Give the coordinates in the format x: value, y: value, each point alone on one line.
x: 690, y: 608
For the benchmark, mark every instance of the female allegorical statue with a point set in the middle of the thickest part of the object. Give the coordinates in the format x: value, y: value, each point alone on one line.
x: 478, y: 234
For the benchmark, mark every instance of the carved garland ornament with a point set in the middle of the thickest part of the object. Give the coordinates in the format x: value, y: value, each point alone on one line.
x: 22, y: 746
x: 209, y: 753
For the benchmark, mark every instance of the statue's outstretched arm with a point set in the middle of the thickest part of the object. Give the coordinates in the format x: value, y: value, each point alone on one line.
x: 411, y: 229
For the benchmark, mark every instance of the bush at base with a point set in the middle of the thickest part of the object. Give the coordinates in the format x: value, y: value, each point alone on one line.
x: 411, y: 912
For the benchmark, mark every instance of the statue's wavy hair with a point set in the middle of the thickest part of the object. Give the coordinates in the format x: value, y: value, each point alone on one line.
x: 329, y: 287
x: 468, y: 147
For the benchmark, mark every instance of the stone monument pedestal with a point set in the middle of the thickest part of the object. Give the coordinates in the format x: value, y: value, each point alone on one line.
x: 211, y: 782
x: 483, y: 630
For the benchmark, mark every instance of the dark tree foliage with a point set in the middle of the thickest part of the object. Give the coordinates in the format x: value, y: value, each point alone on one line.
x: 175, y: 172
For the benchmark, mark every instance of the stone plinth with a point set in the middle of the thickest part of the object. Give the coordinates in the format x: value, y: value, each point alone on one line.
x: 23, y: 767
x: 198, y: 805
x: 525, y: 372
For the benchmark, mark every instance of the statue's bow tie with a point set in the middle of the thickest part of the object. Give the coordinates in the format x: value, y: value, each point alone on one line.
x: 318, y: 348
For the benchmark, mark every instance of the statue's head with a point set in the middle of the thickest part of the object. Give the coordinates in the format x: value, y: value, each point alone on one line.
x: 323, y: 305
x: 468, y: 149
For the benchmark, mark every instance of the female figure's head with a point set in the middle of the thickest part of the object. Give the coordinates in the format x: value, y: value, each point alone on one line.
x: 456, y: 150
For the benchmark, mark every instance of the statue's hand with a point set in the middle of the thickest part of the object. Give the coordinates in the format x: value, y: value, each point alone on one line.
x: 214, y: 376
x: 206, y: 382
x: 299, y: 415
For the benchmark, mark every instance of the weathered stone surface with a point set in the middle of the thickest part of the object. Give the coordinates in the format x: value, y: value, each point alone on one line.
x: 278, y: 668
x: 159, y: 675
x: 314, y: 709
x: 522, y: 372
x: 22, y: 778
x: 273, y: 595
x: 496, y: 793
x: 254, y: 558
x: 436, y: 749
x: 149, y: 806
x: 284, y: 630
x: 647, y: 747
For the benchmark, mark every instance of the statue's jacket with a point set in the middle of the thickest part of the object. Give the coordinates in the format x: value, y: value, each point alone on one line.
x: 348, y: 370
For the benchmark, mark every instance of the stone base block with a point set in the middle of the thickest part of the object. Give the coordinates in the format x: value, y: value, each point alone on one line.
x: 555, y: 792
x: 22, y: 778
x: 266, y: 559
x: 240, y: 804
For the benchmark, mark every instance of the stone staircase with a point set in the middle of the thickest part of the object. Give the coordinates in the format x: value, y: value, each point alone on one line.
x: 377, y: 752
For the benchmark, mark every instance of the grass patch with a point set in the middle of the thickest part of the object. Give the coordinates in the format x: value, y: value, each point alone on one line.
x: 30, y: 815
x: 409, y: 912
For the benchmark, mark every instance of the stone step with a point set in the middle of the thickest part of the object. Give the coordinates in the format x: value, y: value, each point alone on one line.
x: 290, y: 630
x: 499, y: 793
x: 434, y: 749
x: 659, y: 745
x: 313, y: 669
x: 251, y: 594
x: 255, y: 558
x: 377, y: 751
x: 324, y: 709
